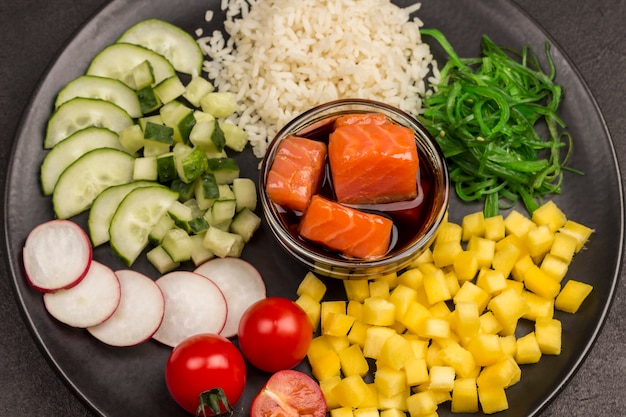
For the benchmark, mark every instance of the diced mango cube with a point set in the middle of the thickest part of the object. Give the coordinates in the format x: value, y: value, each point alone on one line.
x: 550, y: 215
x: 389, y: 381
x: 375, y: 339
x: 579, y: 231
x: 492, y: 399
x: 473, y: 224
x: 494, y: 228
x: 572, y: 296
x: 539, y: 241
x: 515, y: 223
x: 465, y: 265
x: 422, y: 404
x: 554, y: 267
x: 396, y: 351
x: 356, y: 289
x: 312, y: 308
x: 312, y: 286
x: 537, y: 307
x: 548, y: 333
x: 379, y: 311
x: 540, y: 283
x: 564, y: 246
x: 528, y: 350
x: 464, y: 396
x: 351, y: 391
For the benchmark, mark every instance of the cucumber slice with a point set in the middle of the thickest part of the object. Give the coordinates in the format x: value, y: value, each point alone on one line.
x: 161, y: 260
x: 143, y: 75
x: 83, y: 180
x: 245, y: 223
x: 146, y: 169
x: 79, y: 113
x: 180, y: 118
x: 120, y: 59
x: 148, y: 99
x: 107, y: 89
x: 135, y: 217
x: 169, y: 89
x: 159, y: 230
x: 178, y: 46
x: 245, y: 193
x: 224, y: 169
x: 197, y: 88
x: 178, y: 244
x: 103, y: 209
x: 219, y: 104
x: 190, y: 162
x: 64, y: 153
x: 132, y: 138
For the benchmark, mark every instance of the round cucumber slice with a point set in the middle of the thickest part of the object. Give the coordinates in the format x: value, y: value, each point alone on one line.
x: 119, y: 59
x: 108, y: 89
x: 178, y: 46
x: 70, y: 149
x: 82, y: 181
x: 135, y: 217
x: 79, y: 113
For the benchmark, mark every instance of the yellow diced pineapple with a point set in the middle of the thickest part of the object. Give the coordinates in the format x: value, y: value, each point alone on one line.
x: 375, y: 339
x: 358, y: 333
x: 366, y: 412
x: 449, y: 232
x: 486, y: 349
x: 465, y: 320
x: 445, y: 251
x: 389, y: 381
x: 392, y: 412
x: 548, y: 333
x: 433, y: 357
x: 419, y: 346
x: 554, y: 267
x: 379, y: 311
x: 337, y: 342
x: 442, y: 378
x: 312, y: 286
x: 528, y: 350
x: 515, y: 223
x: 540, y: 283
x: 422, y: 404
x: 396, y: 351
x: 325, y: 365
x: 396, y: 402
x: 428, y: 267
x: 459, y: 358
x: 327, y: 307
x: 484, y: 250
x: 337, y: 324
x: 319, y: 345
x: 508, y: 306
x: 424, y: 257
x: 505, y: 257
x: 416, y: 371
x: 537, y: 307
x: 492, y: 399
x: 312, y: 308
x: 521, y: 266
x: 434, y: 328
x: 473, y: 224
x: 489, y: 324
x: 351, y: 391
x: 411, y: 278
x: 550, y: 215
x: 464, y: 396
x: 564, y: 246
x: 517, y: 286
x: 572, y: 296
x: 503, y: 374
x: 379, y: 288
x: 472, y: 293
x: 452, y: 282
x: 465, y: 265
x: 371, y: 400
x: 539, y: 241
x: 355, y: 309
x: 401, y: 297
x: 578, y: 231
x: 509, y: 345
x: 415, y: 314
x: 435, y: 287
x: 356, y: 289
x: 341, y: 412
x: 353, y: 361
x: 326, y: 385
x: 491, y: 281
x: 391, y: 279
x: 494, y: 228
x: 440, y: 310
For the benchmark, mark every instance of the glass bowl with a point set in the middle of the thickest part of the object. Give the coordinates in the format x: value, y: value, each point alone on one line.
x: 315, y: 124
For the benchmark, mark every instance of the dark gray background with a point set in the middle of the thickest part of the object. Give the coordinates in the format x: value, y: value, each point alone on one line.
x: 591, y: 33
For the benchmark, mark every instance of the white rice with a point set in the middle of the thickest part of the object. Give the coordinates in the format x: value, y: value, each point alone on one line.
x: 281, y: 57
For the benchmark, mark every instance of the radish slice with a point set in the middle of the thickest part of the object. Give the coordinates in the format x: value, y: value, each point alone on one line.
x: 193, y: 304
x: 56, y: 255
x: 241, y: 284
x: 90, y: 302
x: 139, y: 314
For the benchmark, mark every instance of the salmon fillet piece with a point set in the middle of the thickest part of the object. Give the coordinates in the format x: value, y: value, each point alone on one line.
x: 353, y: 233
x: 296, y: 172
x: 372, y: 162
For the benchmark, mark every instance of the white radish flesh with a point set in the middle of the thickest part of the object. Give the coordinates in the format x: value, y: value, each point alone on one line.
x: 138, y: 315
x: 57, y: 255
x: 241, y: 284
x: 193, y: 304
x: 89, y: 303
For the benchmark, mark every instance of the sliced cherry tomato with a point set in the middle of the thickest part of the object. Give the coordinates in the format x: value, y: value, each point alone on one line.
x: 205, y: 363
x: 275, y: 334
x: 289, y: 393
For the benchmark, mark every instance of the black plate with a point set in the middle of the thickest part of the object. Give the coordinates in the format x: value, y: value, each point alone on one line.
x: 129, y: 381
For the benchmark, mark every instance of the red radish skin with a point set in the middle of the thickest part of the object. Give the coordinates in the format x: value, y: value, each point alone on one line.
x: 193, y: 304
x: 138, y: 315
x: 89, y: 303
x: 57, y: 255
x: 240, y: 282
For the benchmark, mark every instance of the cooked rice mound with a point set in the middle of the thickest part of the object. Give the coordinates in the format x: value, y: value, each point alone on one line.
x: 281, y: 57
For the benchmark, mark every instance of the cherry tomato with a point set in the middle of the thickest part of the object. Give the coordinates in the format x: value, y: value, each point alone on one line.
x: 289, y: 393
x: 275, y: 334
x: 202, y: 363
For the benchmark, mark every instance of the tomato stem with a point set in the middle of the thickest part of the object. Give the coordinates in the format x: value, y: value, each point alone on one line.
x: 213, y: 399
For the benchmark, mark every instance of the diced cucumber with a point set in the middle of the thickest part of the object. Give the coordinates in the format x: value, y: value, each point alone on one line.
x: 70, y: 149
x: 222, y: 211
x: 145, y: 169
x: 234, y: 136
x: 132, y: 138
x: 143, y: 121
x: 178, y: 46
x: 179, y: 212
x: 79, y: 113
x: 200, y: 254
x: 143, y: 75
x: 208, y: 135
x: 190, y: 162
x: 108, y: 89
x: 82, y: 181
x: 180, y: 118
x: 197, y: 88
x: 178, y: 244
x: 184, y: 190
x: 103, y: 209
x: 224, y: 169
x: 148, y: 99
x: 154, y: 148
x: 159, y: 133
x: 223, y: 243
x: 206, y: 190
x: 120, y: 59
x: 245, y: 223
x: 197, y: 225
x: 166, y: 167
x: 202, y: 116
x: 226, y: 192
x: 159, y: 258
x: 135, y: 217
x: 159, y: 230
x: 169, y: 89
x: 245, y: 193
x: 219, y: 104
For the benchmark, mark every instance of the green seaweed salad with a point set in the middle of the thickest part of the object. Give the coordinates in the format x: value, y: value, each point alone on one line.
x: 495, y: 118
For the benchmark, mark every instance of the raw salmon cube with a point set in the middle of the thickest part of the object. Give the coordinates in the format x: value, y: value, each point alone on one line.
x: 296, y: 172
x: 373, y: 162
